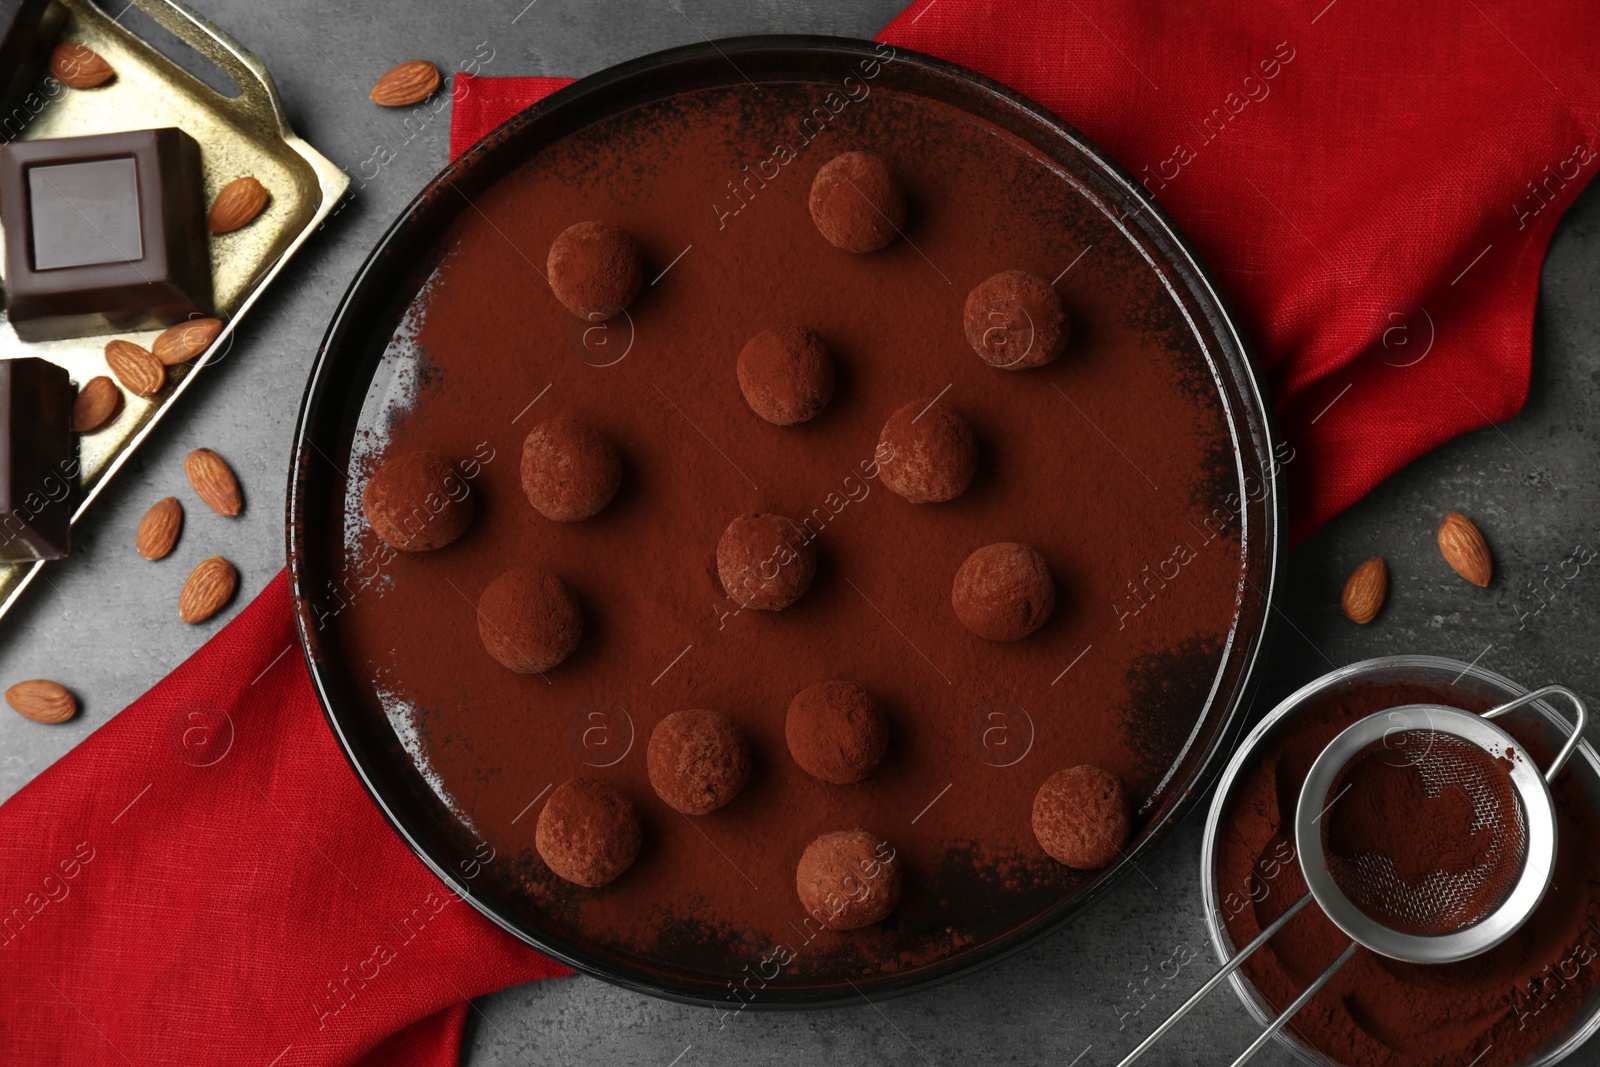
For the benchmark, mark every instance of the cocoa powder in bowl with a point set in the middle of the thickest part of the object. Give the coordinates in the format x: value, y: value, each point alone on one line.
x: 1491, y: 1010
x: 418, y: 502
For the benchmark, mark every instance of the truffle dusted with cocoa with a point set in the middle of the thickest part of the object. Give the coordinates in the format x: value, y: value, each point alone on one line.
x: 697, y: 761
x: 856, y: 203
x: 418, y: 502
x: 765, y: 561
x: 1081, y: 817
x: 927, y: 452
x: 1015, y: 320
x: 529, y: 620
x: 595, y: 270
x: 837, y: 732
x: 1003, y: 592
x: 786, y: 374
x: 588, y: 832
x: 569, y: 471
x: 849, y: 879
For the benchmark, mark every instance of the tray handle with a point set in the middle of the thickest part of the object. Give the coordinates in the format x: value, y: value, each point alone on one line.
x: 258, y: 95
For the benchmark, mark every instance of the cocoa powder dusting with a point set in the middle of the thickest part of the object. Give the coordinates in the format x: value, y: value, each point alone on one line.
x: 659, y: 632
x: 1488, y: 1011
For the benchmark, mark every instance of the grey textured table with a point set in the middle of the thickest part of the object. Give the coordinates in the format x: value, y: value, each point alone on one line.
x: 106, y: 624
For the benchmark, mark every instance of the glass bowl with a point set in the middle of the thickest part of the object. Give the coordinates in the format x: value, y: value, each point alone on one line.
x: 1466, y: 685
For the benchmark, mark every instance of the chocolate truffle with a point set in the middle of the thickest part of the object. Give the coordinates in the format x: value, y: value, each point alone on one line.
x: 418, y: 502
x: 698, y: 761
x: 836, y: 731
x: 1081, y: 817
x: 588, y: 833
x: 765, y: 561
x: 1015, y: 320
x: 786, y: 374
x: 569, y: 470
x: 1003, y: 592
x: 849, y: 879
x: 856, y: 202
x: 927, y: 453
x: 529, y: 620
x: 595, y: 269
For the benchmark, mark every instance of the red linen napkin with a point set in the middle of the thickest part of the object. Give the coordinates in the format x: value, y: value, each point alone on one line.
x: 203, y: 880
x: 1373, y: 185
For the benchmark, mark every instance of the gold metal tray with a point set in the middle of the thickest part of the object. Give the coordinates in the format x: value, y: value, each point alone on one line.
x: 243, y: 135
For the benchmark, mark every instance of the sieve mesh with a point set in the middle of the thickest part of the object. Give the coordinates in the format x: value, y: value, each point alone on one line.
x: 1421, y: 871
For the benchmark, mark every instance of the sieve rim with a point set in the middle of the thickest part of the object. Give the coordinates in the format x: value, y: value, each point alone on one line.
x: 1528, y: 781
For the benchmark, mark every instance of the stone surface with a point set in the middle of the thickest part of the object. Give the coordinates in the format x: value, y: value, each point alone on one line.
x: 105, y: 624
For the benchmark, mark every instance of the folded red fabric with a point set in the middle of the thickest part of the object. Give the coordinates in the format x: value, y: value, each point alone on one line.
x: 1373, y: 185
x: 204, y: 879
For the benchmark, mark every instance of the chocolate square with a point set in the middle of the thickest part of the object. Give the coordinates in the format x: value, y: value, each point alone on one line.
x: 104, y: 234
x: 38, y: 460
x: 27, y: 30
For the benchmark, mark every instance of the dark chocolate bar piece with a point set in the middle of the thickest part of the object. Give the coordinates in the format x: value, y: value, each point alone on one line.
x: 38, y: 460
x: 104, y: 234
x: 27, y: 30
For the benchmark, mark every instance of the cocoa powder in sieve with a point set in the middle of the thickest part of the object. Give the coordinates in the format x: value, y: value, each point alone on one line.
x: 1488, y: 1011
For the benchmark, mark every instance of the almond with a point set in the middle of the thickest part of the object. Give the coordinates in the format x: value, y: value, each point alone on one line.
x: 79, y: 68
x: 98, y: 403
x: 240, y: 201
x: 1464, y: 549
x: 159, y: 529
x: 42, y: 701
x: 1364, y: 591
x: 208, y: 588
x: 213, y: 481
x: 409, y: 83
x: 139, y: 372
x: 181, y: 343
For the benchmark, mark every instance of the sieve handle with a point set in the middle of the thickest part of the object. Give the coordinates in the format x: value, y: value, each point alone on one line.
x: 1577, y: 728
x: 1215, y: 980
x: 1298, y: 1003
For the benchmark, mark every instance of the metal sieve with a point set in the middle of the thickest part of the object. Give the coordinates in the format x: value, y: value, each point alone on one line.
x: 1464, y: 912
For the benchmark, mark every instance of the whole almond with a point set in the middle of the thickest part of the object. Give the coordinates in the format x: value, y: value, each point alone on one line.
x: 409, y: 83
x: 181, y: 343
x: 159, y: 529
x: 77, y: 67
x: 1364, y: 591
x: 42, y: 701
x: 240, y: 201
x: 97, y: 404
x: 139, y: 372
x: 208, y: 588
x: 213, y: 481
x: 1464, y: 549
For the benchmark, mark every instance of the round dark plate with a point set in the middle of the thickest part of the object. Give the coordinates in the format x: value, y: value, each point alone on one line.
x: 346, y: 391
